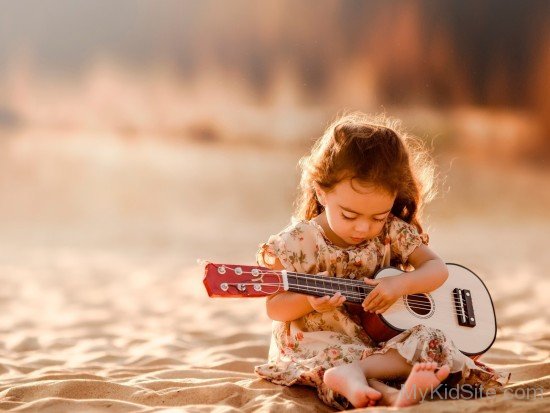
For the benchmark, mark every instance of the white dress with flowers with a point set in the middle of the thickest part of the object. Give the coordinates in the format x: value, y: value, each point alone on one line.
x: 301, y: 350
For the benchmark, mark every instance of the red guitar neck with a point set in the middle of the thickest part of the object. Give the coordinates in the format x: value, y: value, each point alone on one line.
x: 227, y: 280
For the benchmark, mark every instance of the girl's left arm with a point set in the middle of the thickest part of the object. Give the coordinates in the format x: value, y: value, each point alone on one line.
x: 430, y: 272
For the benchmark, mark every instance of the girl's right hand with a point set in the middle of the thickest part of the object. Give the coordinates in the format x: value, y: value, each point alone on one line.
x: 326, y: 303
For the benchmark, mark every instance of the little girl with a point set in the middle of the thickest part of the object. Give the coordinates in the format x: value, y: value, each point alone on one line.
x: 358, y: 211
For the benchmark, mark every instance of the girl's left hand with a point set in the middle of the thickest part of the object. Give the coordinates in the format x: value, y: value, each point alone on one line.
x: 386, y: 292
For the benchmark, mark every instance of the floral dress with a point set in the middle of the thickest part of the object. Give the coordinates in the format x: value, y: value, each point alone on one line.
x: 301, y: 350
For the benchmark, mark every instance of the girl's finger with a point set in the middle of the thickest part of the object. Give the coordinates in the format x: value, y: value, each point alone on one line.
x: 379, y: 303
x: 382, y: 310
x: 370, y: 281
x: 335, y: 297
x: 370, y: 297
x: 375, y: 303
x: 340, y: 302
x: 321, y: 300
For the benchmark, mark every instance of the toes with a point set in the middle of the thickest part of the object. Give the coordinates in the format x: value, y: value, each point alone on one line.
x: 365, y: 397
x: 425, y: 366
x: 373, y: 394
x: 443, y: 372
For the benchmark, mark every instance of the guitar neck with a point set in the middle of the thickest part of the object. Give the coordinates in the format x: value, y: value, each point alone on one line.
x: 355, y: 291
x: 226, y: 280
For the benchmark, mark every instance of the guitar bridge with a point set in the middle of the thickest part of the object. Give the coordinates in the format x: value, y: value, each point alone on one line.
x: 464, y: 307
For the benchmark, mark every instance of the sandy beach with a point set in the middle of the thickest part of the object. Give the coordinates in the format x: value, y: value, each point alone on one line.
x: 102, y: 306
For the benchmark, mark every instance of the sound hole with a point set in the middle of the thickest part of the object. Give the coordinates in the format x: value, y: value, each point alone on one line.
x: 419, y: 304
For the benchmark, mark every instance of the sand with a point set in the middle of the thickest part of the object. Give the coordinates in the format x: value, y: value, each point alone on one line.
x: 102, y: 306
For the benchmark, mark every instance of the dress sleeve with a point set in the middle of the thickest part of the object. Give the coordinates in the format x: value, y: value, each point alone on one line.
x: 295, y: 247
x: 405, y: 238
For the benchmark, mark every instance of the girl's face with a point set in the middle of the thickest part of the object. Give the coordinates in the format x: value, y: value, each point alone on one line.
x: 355, y: 213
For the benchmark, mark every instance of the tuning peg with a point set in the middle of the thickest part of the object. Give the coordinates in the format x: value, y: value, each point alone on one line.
x: 202, y: 262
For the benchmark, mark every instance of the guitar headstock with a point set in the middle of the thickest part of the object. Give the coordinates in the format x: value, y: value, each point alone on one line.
x: 228, y: 280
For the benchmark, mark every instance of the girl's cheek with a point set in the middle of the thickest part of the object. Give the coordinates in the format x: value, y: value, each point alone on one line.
x: 345, y: 226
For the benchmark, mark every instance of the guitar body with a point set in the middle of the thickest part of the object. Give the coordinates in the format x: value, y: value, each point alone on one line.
x: 433, y: 309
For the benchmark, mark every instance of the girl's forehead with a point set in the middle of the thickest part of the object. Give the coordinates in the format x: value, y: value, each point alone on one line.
x: 361, y: 197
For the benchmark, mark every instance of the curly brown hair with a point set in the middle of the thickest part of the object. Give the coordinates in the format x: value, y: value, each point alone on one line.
x: 373, y: 150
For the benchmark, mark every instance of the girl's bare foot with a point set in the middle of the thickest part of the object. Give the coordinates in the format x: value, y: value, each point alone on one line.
x: 422, y: 379
x: 350, y: 382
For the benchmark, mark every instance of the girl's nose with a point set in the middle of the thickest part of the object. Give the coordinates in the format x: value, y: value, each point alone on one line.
x: 362, y: 228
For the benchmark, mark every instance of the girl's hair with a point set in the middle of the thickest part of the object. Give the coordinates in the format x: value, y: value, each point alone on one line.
x: 372, y: 150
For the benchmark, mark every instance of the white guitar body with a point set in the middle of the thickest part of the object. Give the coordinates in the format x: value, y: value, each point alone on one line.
x: 447, y: 310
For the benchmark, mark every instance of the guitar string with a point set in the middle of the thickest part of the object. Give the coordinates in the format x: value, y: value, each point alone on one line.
x: 315, y: 278
x: 354, y: 283
x: 413, y: 304
x: 402, y: 303
x: 399, y: 303
x: 345, y: 282
x: 433, y: 323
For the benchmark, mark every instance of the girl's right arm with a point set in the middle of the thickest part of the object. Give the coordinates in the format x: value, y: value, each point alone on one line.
x: 288, y: 306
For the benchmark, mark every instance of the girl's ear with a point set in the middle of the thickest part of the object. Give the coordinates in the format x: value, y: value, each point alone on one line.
x: 319, y: 193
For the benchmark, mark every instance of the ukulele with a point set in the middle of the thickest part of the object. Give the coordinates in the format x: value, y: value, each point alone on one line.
x: 462, y: 307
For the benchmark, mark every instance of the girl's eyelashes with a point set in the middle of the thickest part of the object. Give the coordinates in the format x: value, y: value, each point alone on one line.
x: 352, y: 218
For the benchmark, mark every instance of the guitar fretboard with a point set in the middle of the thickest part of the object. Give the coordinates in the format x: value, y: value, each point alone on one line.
x: 355, y: 291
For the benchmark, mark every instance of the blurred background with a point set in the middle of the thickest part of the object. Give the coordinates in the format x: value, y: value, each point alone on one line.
x: 173, y: 128
x: 139, y: 136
